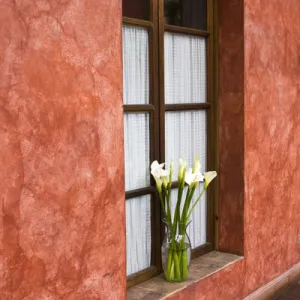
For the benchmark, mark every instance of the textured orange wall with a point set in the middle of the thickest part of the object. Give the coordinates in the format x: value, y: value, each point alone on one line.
x: 62, y: 231
x: 61, y: 180
x: 271, y: 146
x: 272, y: 138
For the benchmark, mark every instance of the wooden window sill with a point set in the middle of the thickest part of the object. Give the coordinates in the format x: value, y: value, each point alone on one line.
x: 201, y: 267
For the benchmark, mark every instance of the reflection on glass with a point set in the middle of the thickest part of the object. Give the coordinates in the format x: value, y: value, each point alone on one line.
x: 186, y: 13
x: 138, y: 9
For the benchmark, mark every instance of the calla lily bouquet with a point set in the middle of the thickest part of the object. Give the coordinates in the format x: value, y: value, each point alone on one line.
x: 176, y: 252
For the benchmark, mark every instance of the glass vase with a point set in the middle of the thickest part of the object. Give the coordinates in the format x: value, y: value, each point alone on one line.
x: 176, y: 252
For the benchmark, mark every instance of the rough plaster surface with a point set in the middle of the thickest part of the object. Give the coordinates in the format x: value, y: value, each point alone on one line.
x: 272, y: 139
x: 61, y: 181
x: 62, y: 232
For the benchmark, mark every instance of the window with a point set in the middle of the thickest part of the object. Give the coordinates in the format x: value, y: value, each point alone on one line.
x: 168, y: 112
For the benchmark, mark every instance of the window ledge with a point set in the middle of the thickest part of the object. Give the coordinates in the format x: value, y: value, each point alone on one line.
x: 201, y: 267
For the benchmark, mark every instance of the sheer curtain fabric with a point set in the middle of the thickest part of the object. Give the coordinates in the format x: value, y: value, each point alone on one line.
x: 186, y: 131
x: 186, y: 136
x: 185, y: 69
x: 137, y: 148
x: 135, y: 65
x: 138, y: 234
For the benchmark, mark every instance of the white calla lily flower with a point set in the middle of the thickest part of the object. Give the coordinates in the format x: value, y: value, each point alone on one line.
x: 182, y: 167
x: 160, y: 175
x: 159, y: 183
x: 156, y: 169
x: 193, y: 177
x: 208, y: 177
x: 197, y: 165
x: 182, y: 163
x: 165, y: 180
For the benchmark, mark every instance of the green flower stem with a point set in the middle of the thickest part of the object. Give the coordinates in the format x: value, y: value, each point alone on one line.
x: 169, y: 216
x: 187, y: 204
x: 176, y: 266
x: 188, y: 194
x: 176, y: 253
x: 184, y: 264
x: 183, y: 253
x: 196, y: 202
x: 169, y: 272
x: 168, y: 193
x: 177, y: 261
x: 177, y: 209
x: 173, y: 270
x: 162, y: 203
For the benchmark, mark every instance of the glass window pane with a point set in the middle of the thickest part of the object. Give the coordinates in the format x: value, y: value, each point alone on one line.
x: 197, y: 228
x: 186, y: 136
x: 138, y: 233
x: 186, y: 13
x: 135, y: 65
x: 185, y: 69
x: 137, y: 150
x: 138, y: 9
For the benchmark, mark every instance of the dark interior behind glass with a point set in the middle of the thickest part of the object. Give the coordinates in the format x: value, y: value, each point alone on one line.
x: 136, y: 9
x: 186, y: 13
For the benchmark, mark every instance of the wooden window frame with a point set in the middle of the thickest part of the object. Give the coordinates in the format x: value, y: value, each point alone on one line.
x: 157, y: 108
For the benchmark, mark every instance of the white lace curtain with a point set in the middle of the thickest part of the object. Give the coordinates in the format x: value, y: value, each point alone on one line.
x: 186, y: 131
x: 137, y: 148
x: 185, y: 69
x: 135, y: 65
x: 186, y: 134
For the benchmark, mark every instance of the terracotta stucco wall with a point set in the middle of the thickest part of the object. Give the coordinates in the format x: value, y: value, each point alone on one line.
x: 271, y: 104
x: 61, y: 156
x: 62, y: 233
x: 272, y: 138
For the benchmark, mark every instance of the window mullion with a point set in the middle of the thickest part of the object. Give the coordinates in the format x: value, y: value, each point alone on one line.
x: 184, y: 30
x: 187, y: 106
x: 138, y: 108
x: 157, y: 229
x: 212, y: 158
